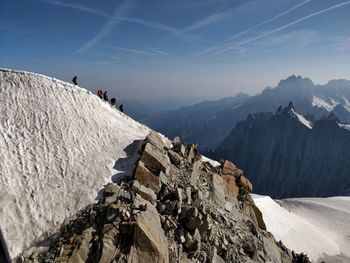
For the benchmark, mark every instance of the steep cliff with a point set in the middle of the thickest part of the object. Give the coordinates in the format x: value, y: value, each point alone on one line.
x: 285, y: 155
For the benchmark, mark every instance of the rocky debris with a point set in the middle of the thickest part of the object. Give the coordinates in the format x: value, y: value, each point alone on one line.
x: 177, y: 209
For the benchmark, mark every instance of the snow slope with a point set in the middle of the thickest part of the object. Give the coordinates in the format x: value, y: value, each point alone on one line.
x: 300, y: 118
x: 59, y: 144
x: 321, y: 103
x: 315, y: 226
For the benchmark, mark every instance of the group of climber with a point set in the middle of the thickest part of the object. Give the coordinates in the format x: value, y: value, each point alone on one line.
x: 102, y: 95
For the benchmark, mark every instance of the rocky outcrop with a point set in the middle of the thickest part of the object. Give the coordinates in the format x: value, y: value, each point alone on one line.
x: 177, y: 208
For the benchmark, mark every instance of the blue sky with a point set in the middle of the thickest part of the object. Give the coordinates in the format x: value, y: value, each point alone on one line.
x: 145, y: 50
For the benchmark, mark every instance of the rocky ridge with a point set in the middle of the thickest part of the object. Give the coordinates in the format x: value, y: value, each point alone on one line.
x: 178, y: 207
x: 215, y: 123
x: 285, y: 155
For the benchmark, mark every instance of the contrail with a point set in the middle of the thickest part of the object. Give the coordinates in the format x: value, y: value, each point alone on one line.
x: 282, y: 27
x: 134, y: 20
x: 107, y: 28
x: 270, y: 19
x: 215, y: 16
x: 213, y: 48
x: 129, y: 50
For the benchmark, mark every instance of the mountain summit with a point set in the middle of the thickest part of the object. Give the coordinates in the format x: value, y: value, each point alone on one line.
x: 215, y: 124
x: 287, y: 155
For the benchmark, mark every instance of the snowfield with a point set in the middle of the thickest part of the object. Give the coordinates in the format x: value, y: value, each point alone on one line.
x: 59, y: 144
x: 319, y: 227
x: 320, y: 103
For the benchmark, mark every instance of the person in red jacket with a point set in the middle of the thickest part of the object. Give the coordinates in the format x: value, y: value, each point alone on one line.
x: 99, y: 93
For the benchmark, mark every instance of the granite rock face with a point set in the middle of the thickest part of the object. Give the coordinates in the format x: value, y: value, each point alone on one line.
x: 286, y: 157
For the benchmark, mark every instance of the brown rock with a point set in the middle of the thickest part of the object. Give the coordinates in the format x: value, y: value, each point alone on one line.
x: 145, y: 192
x: 156, y: 140
x: 259, y: 217
x: 162, y: 177
x: 188, y: 195
x: 109, y: 249
x: 230, y: 186
x: 154, y: 159
x: 175, y: 158
x: 205, y: 224
x: 195, y: 173
x: 81, y: 252
x: 218, y: 189
x: 228, y: 167
x: 145, y: 177
x: 150, y: 243
x: 246, y: 184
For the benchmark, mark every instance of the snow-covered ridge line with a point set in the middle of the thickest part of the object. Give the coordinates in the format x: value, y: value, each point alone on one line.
x: 76, y: 87
x: 344, y: 126
x: 300, y: 118
x: 72, y: 87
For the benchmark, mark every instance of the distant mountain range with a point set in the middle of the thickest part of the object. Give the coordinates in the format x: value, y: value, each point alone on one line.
x: 288, y: 155
x: 209, y: 123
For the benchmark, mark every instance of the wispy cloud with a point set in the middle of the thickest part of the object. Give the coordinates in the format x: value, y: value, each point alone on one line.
x: 298, y: 39
x: 270, y: 19
x: 236, y: 45
x: 134, y: 20
x: 128, y: 50
x: 212, y: 18
x: 107, y: 28
x: 217, y: 46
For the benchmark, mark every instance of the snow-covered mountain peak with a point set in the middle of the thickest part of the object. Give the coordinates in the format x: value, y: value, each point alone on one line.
x: 59, y: 144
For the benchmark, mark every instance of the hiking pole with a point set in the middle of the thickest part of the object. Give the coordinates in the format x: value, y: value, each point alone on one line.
x: 4, y: 254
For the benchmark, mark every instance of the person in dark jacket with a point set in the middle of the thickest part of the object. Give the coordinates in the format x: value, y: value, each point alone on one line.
x: 113, y: 101
x: 121, y: 107
x: 105, y: 96
x: 99, y: 93
x: 75, y: 80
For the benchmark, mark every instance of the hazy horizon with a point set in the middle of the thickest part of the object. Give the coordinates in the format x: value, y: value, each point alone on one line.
x: 200, y: 50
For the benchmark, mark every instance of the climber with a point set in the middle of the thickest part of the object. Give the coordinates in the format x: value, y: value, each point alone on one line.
x: 105, y: 96
x: 75, y: 80
x: 113, y: 100
x: 99, y: 93
x: 121, y: 107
